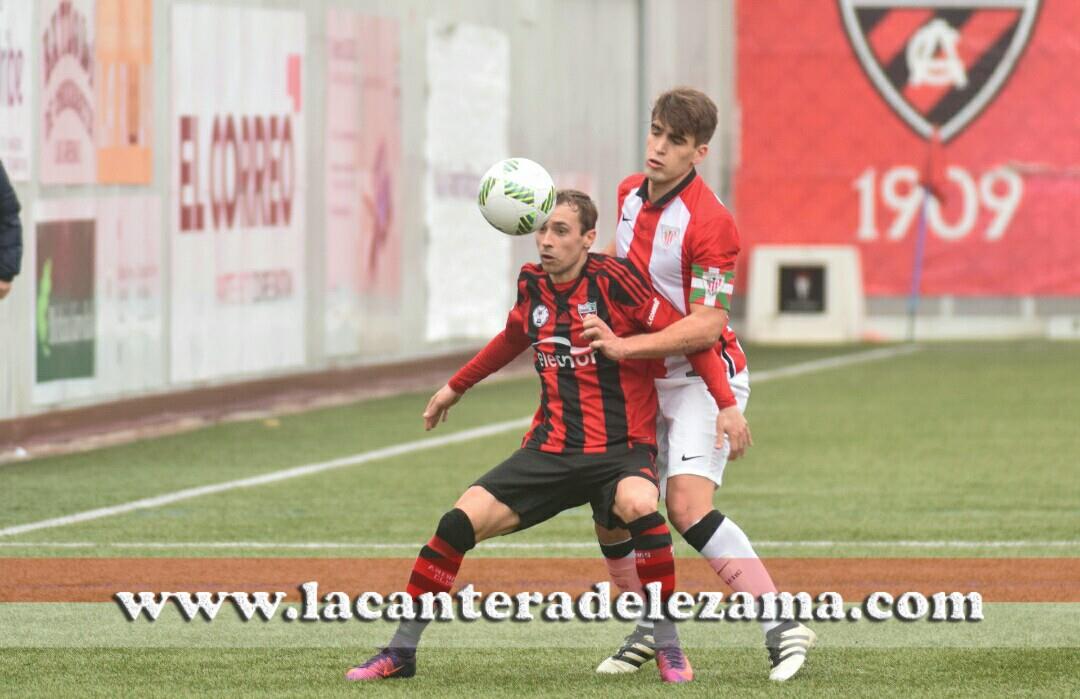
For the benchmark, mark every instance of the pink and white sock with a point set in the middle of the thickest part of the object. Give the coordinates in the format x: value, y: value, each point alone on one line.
x: 728, y: 550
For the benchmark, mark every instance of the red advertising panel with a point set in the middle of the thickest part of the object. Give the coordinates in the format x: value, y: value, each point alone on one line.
x: 842, y: 101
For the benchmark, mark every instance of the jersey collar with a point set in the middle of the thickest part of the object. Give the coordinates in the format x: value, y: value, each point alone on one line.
x: 643, y: 190
x: 566, y: 290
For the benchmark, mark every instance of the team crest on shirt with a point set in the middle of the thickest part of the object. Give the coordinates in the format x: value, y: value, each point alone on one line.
x: 540, y: 316
x: 669, y: 234
x: 938, y: 63
x: 586, y: 309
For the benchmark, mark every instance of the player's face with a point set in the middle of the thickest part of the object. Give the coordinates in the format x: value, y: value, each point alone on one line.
x: 562, y: 246
x: 669, y: 156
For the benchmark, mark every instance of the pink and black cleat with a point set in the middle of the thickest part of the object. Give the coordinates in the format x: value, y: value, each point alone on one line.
x: 674, y: 665
x: 387, y: 664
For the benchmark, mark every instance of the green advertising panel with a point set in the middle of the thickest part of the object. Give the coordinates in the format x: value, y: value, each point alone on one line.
x: 64, y: 321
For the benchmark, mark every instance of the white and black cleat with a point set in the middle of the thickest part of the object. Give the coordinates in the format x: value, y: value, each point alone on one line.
x: 787, y: 645
x: 638, y: 649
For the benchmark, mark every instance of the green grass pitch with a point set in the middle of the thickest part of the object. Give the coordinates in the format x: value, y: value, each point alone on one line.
x: 956, y: 450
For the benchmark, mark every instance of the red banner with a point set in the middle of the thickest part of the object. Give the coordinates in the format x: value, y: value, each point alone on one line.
x: 840, y: 100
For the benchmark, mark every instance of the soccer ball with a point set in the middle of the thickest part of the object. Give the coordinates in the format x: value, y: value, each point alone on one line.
x: 516, y: 196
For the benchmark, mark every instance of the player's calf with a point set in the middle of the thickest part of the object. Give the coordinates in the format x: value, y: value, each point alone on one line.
x: 639, y: 647
x: 655, y: 559
x: 435, y: 571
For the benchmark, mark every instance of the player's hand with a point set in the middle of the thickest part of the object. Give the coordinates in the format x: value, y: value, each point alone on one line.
x: 5, y: 287
x: 439, y: 406
x: 602, y: 339
x: 732, y: 424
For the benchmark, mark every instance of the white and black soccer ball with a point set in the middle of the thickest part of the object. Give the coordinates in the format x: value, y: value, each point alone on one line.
x: 516, y: 196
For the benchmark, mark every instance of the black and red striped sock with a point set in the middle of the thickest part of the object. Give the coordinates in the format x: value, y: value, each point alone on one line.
x: 435, y: 570
x: 655, y: 558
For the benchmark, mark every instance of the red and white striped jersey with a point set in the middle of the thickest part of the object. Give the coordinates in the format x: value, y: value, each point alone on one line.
x: 688, y: 243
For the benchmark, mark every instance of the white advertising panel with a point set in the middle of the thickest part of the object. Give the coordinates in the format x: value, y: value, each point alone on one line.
x: 470, y: 286
x: 16, y: 87
x: 238, y: 180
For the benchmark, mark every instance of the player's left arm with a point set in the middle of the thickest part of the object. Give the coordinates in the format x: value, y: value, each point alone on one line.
x: 699, y: 330
x: 730, y: 422
x: 712, y: 250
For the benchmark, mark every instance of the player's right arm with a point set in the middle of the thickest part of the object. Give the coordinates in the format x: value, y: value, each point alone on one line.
x: 698, y: 330
x: 500, y: 351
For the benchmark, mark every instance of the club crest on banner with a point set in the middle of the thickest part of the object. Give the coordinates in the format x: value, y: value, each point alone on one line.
x: 938, y: 63
x: 714, y: 283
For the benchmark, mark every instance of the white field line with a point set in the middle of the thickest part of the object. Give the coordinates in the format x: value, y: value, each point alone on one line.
x: 510, y: 545
x: 272, y: 477
x: 831, y: 363
x: 400, y: 449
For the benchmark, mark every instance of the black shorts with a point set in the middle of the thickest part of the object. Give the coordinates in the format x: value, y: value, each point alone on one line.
x: 538, y: 485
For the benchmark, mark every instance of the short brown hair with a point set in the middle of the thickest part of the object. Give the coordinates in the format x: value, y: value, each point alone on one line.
x: 687, y: 112
x: 580, y: 202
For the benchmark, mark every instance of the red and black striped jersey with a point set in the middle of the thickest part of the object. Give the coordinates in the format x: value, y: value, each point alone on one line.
x: 588, y: 402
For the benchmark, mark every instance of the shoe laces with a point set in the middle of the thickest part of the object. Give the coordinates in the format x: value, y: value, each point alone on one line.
x: 384, y: 655
x: 638, y: 635
x: 674, y: 657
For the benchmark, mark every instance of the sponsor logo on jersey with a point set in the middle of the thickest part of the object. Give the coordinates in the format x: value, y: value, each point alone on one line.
x: 652, y: 312
x: 554, y: 352
x: 938, y: 63
x: 540, y: 316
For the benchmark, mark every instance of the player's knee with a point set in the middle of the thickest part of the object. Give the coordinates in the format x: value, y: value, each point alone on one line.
x: 686, y: 512
x: 488, y: 516
x: 456, y: 529
x: 634, y: 506
x: 689, y: 498
x: 682, y: 517
x: 635, y: 498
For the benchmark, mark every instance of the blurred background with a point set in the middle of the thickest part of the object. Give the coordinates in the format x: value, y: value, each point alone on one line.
x: 219, y: 193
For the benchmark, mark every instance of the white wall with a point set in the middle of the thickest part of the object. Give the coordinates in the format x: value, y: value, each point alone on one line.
x: 574, y: 106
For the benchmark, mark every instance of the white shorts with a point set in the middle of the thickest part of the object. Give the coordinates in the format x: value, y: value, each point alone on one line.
x: 686, y: 428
